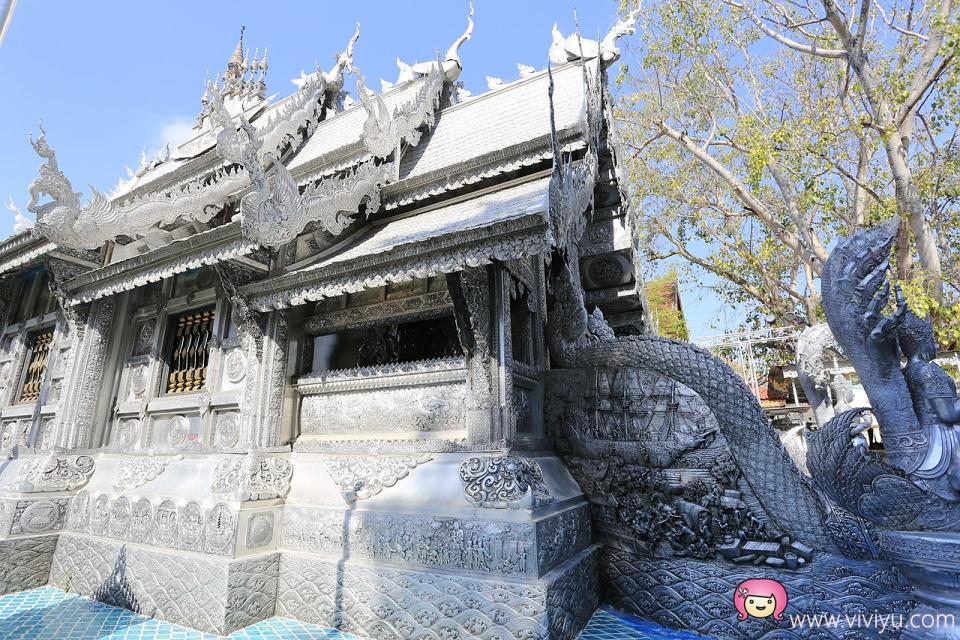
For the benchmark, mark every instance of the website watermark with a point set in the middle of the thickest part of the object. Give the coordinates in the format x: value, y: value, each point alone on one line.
x: 763, y: 598
x: 877, y: 621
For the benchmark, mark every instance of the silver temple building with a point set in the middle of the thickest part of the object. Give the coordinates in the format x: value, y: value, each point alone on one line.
x: 296, y: 365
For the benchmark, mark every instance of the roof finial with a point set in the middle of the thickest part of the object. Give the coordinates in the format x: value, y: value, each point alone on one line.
x: 235, y: 63
x: 452, y: 65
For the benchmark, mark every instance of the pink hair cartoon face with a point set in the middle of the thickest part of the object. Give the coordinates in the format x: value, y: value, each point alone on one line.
x: 760, y: 598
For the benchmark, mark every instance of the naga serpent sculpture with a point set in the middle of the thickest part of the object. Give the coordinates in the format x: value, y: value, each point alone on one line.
x: 581, y: 340
x: 917, y: 486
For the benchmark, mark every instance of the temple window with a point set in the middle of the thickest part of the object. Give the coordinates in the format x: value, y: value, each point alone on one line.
x: 389, y: 343
x: 189, y: 351
x: 35, y: 298
x: 38, y: 356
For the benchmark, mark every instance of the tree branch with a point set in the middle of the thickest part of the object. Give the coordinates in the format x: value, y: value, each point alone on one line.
x: 784, y: 40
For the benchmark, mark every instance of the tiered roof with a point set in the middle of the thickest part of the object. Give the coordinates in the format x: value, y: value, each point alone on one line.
x: 426, y: 196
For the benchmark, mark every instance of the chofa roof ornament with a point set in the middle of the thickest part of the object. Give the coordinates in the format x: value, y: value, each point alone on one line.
x: 384, y: 131
x: 567, y: 48
x: 452, y: 65
x: 66, y: 222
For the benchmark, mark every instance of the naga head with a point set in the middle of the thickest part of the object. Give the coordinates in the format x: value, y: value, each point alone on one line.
x: 344, y: 63
x: 856, y: 269
x: 40, y: 144
x: 916, y: 339
x: 452, y: 65
x: 627, y: 26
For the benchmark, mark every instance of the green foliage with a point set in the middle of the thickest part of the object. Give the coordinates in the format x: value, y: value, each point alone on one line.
x: 663, y: 297
x: 790, y: 159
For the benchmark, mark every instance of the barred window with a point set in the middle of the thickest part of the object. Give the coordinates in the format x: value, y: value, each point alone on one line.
x: 39, y: 354
x: 189, y: 351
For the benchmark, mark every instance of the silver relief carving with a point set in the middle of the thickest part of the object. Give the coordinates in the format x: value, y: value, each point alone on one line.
x: 252, y: 477
x: 503, y: 481
x: 39, y: 516
x: 128, y: 433
x: 361, y: 477
x: 166, y: 524
x: 78, y: 515
x: 260, y: 529
x: 408, y: 409
x: 494, y: 547
x: 100, y: 514
x: 219, y: 530
x: 191, y: 526
x: 177, y: 429
x: 120, y: 517
x: 141, y: 520
x: 138, y: 381
x: 235, y: 365
x: 136, y: 471
x: 228, y: 429
x: 54, y: 473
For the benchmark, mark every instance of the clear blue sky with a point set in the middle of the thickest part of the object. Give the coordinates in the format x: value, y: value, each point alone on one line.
x: 112, y: 78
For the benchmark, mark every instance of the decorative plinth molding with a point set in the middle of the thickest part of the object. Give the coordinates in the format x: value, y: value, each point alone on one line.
x: 210, y: 594
x: 379, y: 602
x: 25, y: 562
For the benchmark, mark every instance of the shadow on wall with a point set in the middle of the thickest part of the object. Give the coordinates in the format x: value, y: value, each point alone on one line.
x: 116, y: 590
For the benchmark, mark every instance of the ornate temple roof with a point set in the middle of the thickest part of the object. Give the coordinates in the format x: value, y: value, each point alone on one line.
x: 505, y: 224
x: 333, y: 173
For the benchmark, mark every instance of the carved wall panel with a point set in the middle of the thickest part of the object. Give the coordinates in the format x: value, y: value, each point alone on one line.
x: 661, y: 479
x: 161, y: 521
x: 213, y: 595
x: 447, y: 605
x: 410, y: 409
x: 39, y: 516
x: 25, y: 562
x: 505, y: 548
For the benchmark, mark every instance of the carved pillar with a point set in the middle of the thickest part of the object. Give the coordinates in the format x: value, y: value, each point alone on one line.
x: 507, y: 427
x: 478, y: 308
x: 264, y: 340
x: 90, y: 339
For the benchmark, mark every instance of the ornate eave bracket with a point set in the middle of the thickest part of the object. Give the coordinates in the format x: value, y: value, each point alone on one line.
x: 275, y: 216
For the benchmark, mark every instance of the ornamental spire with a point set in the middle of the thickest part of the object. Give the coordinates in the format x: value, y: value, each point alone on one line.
x: 235, y: 63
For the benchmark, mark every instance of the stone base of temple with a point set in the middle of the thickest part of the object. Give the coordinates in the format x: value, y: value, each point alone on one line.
x: 697, y: 595
x: 387, y: 603
x: 25, y: 562
x: 216, y: 595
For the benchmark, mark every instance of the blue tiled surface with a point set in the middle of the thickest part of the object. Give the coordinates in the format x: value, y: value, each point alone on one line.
x: 50, y: 614
x: 608, y: 624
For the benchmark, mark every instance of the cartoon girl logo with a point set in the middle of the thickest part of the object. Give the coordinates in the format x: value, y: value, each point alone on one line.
x: 760, y: 598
